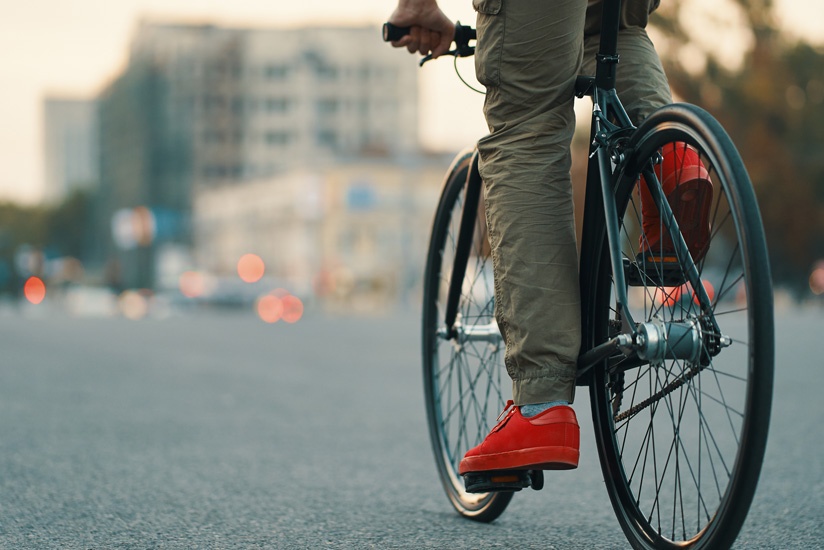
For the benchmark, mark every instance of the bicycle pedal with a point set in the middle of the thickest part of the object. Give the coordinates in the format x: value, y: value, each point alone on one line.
x: 651, y: 271
x: 503, y: 480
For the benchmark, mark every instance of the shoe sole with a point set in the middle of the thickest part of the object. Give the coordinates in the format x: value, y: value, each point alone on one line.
x: 690, y: 203
x: 535, y: 458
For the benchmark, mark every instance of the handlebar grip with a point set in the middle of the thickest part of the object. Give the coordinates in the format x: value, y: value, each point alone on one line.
x: 391, y: 33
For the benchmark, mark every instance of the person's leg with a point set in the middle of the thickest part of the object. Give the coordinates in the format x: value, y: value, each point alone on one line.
x: 643, y: 88
x: 641, y: 82
x: 528, y: 56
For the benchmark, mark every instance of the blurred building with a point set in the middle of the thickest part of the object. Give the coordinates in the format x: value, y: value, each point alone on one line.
x: 354, y: 234
x: 203, y: 106
x: 70, y: 146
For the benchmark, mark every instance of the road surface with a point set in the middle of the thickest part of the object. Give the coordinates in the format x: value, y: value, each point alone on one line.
x: 220, y: 431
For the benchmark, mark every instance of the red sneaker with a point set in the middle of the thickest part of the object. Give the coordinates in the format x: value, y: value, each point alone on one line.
x: 546, y: 441
x: 688, y: 189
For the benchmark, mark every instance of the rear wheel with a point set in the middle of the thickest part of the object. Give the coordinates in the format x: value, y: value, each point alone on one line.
x: 681, y: 441
x: 464, y: 377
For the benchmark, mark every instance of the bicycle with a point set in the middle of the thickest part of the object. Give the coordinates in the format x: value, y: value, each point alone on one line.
x: 679, y: 370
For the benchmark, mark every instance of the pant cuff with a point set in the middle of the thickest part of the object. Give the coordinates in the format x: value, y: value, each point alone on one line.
x: 529, y: 391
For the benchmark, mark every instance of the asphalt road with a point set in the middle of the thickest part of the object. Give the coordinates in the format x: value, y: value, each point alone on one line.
x: 215, y: 431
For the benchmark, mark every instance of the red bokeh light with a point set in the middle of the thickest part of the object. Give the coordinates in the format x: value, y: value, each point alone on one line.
x: 250, y: 268
x: 817, y: 281
x: 667, y: 295
x: 671, y: 295
x: 292, y: 309
x: 34, y: 290
x: 270, y: 308
x: 192, y: 284
x: 708, y: 288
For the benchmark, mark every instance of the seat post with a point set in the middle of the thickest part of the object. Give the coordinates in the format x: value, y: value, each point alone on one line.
x: 607, y: 57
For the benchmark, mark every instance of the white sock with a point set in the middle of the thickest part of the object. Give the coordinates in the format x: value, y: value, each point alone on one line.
x: 537, y: 408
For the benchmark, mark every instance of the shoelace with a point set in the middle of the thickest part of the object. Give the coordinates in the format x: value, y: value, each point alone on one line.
x: 509, y: 404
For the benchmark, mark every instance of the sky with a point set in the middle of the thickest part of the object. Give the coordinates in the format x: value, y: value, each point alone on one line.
x: 74, y: 47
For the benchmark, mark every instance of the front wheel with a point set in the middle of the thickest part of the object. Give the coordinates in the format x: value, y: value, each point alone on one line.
x: 681, y: 441
x: 464, y: 377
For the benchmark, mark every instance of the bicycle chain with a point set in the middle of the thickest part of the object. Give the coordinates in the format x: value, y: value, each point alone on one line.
x: 617, y: 380
x: 671, y: 387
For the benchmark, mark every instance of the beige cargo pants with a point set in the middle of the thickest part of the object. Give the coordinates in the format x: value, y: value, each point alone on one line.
x: 528, y: 55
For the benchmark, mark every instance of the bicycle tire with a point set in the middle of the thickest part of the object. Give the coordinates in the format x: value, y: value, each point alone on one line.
x: 681, y: 443
x: 459, y: 417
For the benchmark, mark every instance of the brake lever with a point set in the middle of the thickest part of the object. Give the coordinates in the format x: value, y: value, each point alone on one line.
x: 430, y: 58
x: 463, y: 51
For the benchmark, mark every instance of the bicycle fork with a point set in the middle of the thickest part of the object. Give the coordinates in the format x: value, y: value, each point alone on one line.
x: 463, y: 247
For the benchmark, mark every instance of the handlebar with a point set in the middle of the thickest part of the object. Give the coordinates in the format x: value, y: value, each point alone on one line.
x: 463, y: 34
x: 393, y: 33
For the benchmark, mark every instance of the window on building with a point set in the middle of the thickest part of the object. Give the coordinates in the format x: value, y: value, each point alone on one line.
x: 237, y: 105
x: 214, y: 171
x: 278, y: 138
x: 328, y: 106
x: 214, y: 136
x: 276, y: 72
x: 327, y: 138
x: 214, y: 102
x: 278, y: 104
x: 326, y: 72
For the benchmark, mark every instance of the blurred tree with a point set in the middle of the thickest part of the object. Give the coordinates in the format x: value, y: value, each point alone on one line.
x: 22, y: 225
x: 69, y: 224
x: 19, y: 226
x: 59, y: 230
x: 772, y: 105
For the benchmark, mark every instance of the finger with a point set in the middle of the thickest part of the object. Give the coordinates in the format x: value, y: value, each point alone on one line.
x: 425, y: 45
x: 402, y: 43
x: 414, y: 39
x: 443, y: 44
x: 435, y: 44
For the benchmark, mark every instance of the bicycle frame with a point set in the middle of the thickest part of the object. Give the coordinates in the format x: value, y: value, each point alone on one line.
x: 610, y: 124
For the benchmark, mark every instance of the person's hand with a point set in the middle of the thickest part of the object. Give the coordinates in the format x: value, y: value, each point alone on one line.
x: 431, y: 32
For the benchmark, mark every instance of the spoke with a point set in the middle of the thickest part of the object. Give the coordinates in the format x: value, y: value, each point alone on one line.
x: 704, y: 430
x: 733, y: 376
x: 727, y: 272
x: 722, y: 403
x: 728, y: 312
x: 727, y: 408
x: 709, y: 433
x: 703, y: 424
x: 724, y: 292
x: 720, y: 224
x: 675, y: 444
